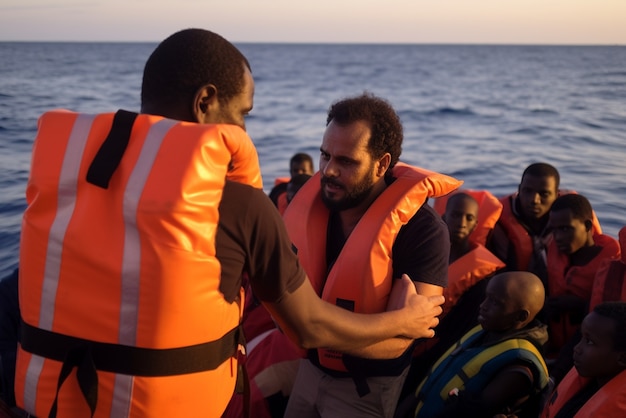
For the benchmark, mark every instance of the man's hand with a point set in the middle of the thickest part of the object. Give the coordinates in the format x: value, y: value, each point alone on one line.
x: 421, y: 312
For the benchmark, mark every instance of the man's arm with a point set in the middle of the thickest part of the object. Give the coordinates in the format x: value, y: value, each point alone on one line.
x: 313, y: 323
x: 394, y: 347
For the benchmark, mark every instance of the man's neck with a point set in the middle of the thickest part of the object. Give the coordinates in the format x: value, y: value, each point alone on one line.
x: 535, y: 226
x: 349, y: 218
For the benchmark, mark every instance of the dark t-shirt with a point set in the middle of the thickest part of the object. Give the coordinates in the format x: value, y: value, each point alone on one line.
x: 420, y: 250
x: 252, y: 239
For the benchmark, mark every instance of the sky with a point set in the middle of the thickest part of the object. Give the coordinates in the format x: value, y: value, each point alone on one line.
x: 562, y: 22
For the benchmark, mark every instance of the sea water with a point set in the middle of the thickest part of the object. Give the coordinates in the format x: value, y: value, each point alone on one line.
x: 481, y: 113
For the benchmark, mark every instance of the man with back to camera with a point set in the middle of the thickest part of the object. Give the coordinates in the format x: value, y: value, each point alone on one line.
x: 220, y: 230
x: 357, y: 225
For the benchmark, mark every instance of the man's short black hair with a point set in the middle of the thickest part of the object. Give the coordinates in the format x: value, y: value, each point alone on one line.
x: 543, y: 170
x: 187, y: 61
x: 301, y: 157
x: 387, y: 132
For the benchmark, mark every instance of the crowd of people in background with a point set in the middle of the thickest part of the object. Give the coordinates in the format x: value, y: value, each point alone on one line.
x: 544, y: 235
x: 344, y: 276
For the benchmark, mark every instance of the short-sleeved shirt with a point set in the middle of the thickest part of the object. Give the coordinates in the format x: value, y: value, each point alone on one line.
x: 420, y: 250
x: 252, y: 239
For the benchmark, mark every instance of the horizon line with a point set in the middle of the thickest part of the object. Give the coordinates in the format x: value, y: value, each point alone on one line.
x: 433, y: 43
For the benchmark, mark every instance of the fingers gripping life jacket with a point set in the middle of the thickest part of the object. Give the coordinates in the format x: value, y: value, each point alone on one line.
x: 609, y: 401
x: 119, y: 282
x: 360, y: 280
x: 466, y: 366
x: 489, y: 210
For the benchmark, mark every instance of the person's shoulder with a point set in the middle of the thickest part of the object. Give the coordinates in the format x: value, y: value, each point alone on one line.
x: 243, y: 194
x: 427, y: 217
x: 277, y: 191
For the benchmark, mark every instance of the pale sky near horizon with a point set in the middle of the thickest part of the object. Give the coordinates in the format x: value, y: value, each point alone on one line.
x: 365, y: 21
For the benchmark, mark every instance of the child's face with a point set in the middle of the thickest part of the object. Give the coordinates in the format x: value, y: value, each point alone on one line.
x: 595, y: 355
x: 496, y: 312
x: 461, y: 216
x: 303, y: 167
x: 570, y: 234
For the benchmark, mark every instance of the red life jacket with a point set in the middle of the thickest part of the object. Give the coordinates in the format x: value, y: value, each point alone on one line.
x: 608, y: 402
x: 574, y: 280
x: 608, y: 284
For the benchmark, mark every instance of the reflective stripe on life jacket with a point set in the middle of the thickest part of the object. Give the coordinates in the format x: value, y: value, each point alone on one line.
x: 608, y: 402
x: 126, y: 269
x: 471, y: 368
x: 489, y: 210
x: 360, y: 279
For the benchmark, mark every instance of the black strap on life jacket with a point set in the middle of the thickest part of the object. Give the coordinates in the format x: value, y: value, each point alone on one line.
x: 112, y: 149
x: 89, y: 356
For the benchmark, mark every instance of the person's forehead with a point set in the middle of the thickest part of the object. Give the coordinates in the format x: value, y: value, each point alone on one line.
x: 464, y: 205
x: 349, y: 139
x: 563, y: 216
x: 599, y: 326
x: 538, y: 182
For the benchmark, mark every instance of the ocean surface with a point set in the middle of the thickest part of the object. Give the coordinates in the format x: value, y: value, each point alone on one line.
x: 480, y: 113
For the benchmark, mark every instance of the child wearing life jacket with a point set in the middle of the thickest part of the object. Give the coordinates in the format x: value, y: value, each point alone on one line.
x: 465, y: 212
x: 299, y: 163
x: 496, y: 367
x: 573, y: 257
x: 596, y: 385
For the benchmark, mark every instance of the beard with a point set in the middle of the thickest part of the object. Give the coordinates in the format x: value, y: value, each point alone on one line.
x: 352, y: 198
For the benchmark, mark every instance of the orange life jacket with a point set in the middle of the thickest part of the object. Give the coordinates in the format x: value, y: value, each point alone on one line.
x: 608, y: 284
x: 463, y: 273
x: 608, y: 402
x: 574, y: 280
x: 118, y: 274
x: 468, y: 270
x: 361, y: 275
x: 489, y: 210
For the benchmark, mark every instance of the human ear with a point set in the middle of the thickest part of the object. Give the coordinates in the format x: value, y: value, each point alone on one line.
x: 205, y: 102
x: 588, y: 225
x: 523, y: 316
x: 383, y: 164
